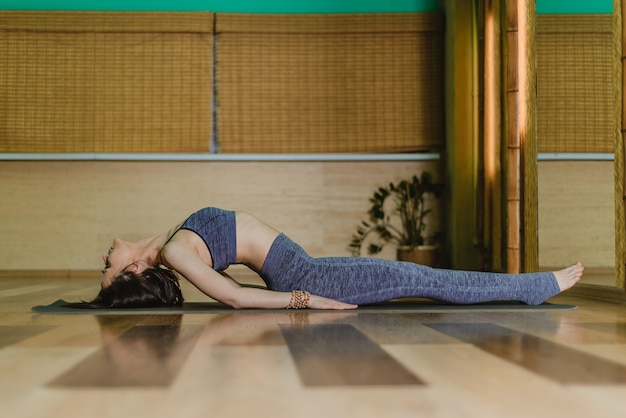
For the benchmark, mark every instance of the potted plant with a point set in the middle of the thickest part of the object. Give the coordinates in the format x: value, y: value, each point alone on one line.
x: 408, y: 231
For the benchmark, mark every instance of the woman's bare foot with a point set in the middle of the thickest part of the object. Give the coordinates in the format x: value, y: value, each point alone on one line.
x: 569, y: 276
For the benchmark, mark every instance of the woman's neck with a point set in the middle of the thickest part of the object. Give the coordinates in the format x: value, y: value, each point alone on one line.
x: 149, y: 249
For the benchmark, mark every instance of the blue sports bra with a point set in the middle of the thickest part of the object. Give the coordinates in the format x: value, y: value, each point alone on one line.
x: 218, y: 230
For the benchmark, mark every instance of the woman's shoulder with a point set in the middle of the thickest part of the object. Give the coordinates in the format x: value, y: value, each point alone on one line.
x: 170, y: 252
x: 181, y: 246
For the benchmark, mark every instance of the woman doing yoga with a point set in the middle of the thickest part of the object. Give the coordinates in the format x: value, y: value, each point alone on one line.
x: 141, y: 274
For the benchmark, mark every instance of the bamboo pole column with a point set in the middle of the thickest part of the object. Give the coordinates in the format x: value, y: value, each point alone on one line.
x: 513, y: 139
x: 528, y: 136
x: 493, y: 198
x: 521, y: 137
x: 620, y: 146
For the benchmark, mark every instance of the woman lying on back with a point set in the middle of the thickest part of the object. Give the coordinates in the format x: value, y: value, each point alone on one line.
x: 141, y: 274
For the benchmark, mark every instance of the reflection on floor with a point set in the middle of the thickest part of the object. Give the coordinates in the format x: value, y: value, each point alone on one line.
x: 484, y: 364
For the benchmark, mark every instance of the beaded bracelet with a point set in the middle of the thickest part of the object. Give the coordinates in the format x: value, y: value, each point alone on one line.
x: 299, y: 299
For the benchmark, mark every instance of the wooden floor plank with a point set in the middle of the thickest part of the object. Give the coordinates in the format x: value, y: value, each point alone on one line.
x: 10, y: 335
x: 554, y: 361
x: 484, y: 365
x: 142, y: 356
x: 339, y: 355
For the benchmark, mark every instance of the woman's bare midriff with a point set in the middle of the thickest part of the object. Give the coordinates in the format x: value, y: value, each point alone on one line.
x: 254, y: 239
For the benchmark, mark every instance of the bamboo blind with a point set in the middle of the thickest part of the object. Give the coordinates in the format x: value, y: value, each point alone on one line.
x: 105, y: 82
x: 575, y: 83
x: 329, y: 83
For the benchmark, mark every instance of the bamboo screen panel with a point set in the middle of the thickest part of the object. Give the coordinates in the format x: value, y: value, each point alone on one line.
x: 105, y: 82
x: 576, y: 84
x: 329, y: 83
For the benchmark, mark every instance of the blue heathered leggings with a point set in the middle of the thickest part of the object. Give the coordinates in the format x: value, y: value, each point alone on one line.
x: 361, y: 280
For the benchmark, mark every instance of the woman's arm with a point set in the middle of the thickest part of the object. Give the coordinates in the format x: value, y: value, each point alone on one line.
x: 227, y: 290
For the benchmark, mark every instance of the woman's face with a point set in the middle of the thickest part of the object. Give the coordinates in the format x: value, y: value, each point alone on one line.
x: 116, y: 260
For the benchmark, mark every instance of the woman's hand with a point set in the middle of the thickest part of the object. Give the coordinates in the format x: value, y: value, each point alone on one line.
x: 320, y: 302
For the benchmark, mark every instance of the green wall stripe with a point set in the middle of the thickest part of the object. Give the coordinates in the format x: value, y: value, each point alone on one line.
x: 574, y: 6
x: 289, y: 6
x: 233, y: 6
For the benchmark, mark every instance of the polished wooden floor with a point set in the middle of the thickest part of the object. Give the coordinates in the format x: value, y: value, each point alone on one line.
x: 540, y: 363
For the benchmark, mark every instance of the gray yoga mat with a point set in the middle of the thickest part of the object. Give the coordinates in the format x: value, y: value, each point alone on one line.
x: 416, y: 305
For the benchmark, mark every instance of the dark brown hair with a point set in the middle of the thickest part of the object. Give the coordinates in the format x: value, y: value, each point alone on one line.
x: 152, y: 288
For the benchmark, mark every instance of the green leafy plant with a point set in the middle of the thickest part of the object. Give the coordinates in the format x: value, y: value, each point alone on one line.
x: 408, y: 204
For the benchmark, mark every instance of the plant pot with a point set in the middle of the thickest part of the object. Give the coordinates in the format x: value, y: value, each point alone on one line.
x: 426, y: 255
